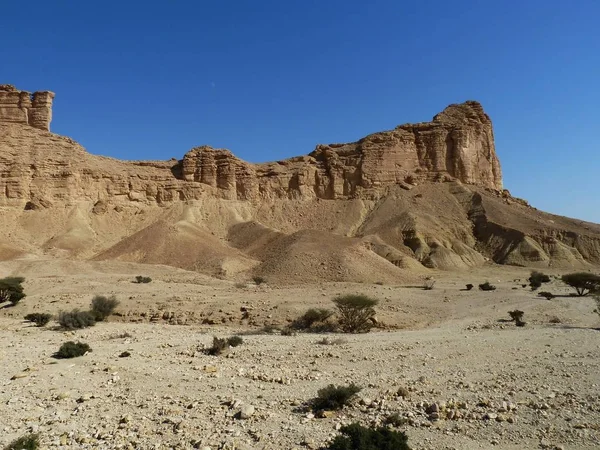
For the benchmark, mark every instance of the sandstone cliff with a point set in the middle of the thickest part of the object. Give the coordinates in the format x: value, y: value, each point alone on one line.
x: 21, y: 107
x: 426, y: 195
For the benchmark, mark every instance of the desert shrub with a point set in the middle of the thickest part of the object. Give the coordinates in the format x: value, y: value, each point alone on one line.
x: 487, y: 286
x: 72, y: 350
x: 288, y: 331
x: 219, y: 346
x: 555, y: 319
x: 40, y: 319
x: 71, y: 320
x: 355, y: 312
x: 310, y: 318
x: 517, y: 316
x: 428, y: 285
x: 536, y: 279
x: 395, y: 420
x: 102, y: 306
x: 258, y: 280
x: 546, y: 295
x: 334, y: 397
x: 240, y: 285
x: 234, y: 341
x: 469, y: 286
x: 582, y: 282
x: 27, y: 442
x: 142, y: 279
x: 11, y: 290
x: 379, y: 283
x: 358, y: 437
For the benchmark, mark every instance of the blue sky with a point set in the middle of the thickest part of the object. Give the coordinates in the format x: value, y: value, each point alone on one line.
x: 271, y: 79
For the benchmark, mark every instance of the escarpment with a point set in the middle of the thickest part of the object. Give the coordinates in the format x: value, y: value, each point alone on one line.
x: 420, y: 196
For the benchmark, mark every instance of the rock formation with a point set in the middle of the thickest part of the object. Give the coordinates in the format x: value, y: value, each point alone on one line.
x: 21, y: 107
x: 425, y: 195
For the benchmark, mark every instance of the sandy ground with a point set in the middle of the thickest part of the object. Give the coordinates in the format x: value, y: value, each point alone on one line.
x: 505, y: 387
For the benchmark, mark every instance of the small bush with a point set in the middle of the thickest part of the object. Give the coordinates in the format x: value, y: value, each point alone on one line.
x: 102, y: 306
x: 234, y: 341
x: 141, y: 279
x: 76, y: 319
x: 312, y: 317
x: 536, y: 279
x: 546, y: 295
x: 334, y: 397
x: 582, y: 282
x: 72, y: 350
x: 40, y: 319
x: 27, y: 442
x: 358, y: 437
x: 258, y: 280
x: 355, y: 312
x: 487, y: 286
x: 517, y: 316
x: 395, y: 420
x: 288, y: 331
x: 11, y: 290
x: 219, y: 346
x: 469, y: 287
x: 555, y: 319
x: 428, y: 285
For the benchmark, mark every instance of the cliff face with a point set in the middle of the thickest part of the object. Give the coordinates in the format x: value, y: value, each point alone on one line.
x: 21, y: 107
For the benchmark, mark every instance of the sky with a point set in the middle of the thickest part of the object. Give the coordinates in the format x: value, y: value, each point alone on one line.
x: 271, y: 79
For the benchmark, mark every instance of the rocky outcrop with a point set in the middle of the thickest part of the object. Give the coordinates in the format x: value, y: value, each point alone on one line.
x: 24, y: 108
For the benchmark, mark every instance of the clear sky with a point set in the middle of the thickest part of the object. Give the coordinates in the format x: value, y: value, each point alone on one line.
x: 271, y: 79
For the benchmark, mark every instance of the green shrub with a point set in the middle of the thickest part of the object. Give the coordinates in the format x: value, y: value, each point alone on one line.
x: 356, y: 313
x: 536, y: 279
x: 358, y: 437
x: 40, y: 319
x: 259, y: 280
x: 546, y: 295
x: 102, y: 306
x: 11, y: 290
x: 72, y: 350
x: 334, y: 397
x: 582, y: 282
x: 76, y: 319
x: 487, y: 286
x: 312, y: 318
x: 27, y: 442
x: 234, y: 341
x: 141, y: 279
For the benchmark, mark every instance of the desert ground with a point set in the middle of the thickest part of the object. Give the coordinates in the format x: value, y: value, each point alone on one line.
x: 447, y: 349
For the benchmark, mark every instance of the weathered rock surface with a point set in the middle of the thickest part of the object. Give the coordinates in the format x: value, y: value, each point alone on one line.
x: 426, y: 195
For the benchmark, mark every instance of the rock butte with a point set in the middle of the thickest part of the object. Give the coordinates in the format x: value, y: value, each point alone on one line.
x: 425, y: 195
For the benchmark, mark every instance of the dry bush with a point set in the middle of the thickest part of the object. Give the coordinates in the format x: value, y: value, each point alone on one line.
x: 40, y: 319
x: 76, y: 319
x: 142, y: 279
x: 487, y: 286
x: 313, y: 319
x: 27, y: 442
x: 334, y: 397
x: 72, y: 350
x: 332, y: 341
x: 358, y: 437
x: 102, y: 306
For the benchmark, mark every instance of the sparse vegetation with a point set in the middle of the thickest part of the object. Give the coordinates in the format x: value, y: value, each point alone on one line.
x: 395, y: 420
x: 487, y: 286
x: 258, y: 280
x: 582, y: 282
x: 334, y: 397
x: 469, y: 286
x: 219, y: 346
x: 314, y: 319
x: 546, y: 295
x: 358, y: 437
x: 555, y: 319
x: 234, y: 341
x: 517, y: 316
x: 536, y: 279
x: 72, y: 350
x: 102, y: 307
x: 142, y: 279
x: 40, y: 319
x: 27, y: 442
x: 76, y: 319
x: 356, y: 312
x: 11, y: 290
